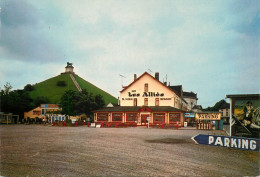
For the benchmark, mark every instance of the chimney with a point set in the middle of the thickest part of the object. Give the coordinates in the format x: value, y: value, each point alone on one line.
x: 135, y: 77
x: 157, y: 76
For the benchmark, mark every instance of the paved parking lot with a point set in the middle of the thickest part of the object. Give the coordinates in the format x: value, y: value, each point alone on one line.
x: 37, y: 150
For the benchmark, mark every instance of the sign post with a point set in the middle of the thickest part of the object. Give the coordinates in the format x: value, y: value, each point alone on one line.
x: 250, y: 144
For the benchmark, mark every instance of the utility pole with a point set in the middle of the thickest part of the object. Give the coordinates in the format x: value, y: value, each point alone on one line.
x: 68, y: 98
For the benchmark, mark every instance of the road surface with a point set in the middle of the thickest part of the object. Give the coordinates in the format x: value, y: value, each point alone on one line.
x: 38, y: 150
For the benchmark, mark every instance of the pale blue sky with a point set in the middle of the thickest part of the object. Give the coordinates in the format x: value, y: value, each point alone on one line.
x: 210, y: 47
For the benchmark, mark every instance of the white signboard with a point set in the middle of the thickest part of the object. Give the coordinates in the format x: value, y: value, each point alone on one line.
x: 208, y: 116
x: 93, y: 125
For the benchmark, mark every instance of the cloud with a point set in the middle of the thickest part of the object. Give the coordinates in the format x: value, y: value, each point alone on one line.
x: 26, y: 36
x: 210, y: 47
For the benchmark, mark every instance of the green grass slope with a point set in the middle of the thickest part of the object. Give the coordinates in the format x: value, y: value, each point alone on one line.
x: 95, y: 90
x: 49, y: 89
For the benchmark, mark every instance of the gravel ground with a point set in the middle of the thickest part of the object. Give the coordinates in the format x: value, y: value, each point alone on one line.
x: 37, y: 150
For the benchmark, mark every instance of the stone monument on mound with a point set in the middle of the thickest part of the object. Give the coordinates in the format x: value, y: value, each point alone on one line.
x: 69, y: 68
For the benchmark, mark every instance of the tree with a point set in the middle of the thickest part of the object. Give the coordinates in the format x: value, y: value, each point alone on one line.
x: 16, y: 102
x: 68, y: 100
x: 216, y: 106
x: 28, y: 88
x: 100, y: 101
x: 7, y: 88
x: 40, y: 100
x: 75, y: 103
x: 208, y: 109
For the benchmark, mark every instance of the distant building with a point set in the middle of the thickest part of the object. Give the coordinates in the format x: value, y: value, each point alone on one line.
x: 225, y: 112
x: 32, y: 114
x: 111, y: 105
x: 9, y: 118
x: 191, y: 98
x: 178, y: 89
x: 50, y: 109
x: 45, y: 111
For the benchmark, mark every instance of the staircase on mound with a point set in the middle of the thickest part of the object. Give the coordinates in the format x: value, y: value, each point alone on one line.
x: 75, y: 82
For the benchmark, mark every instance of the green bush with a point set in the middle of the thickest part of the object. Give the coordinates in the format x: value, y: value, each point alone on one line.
x: 61, y: 83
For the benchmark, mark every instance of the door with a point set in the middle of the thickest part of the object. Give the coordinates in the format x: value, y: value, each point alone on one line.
x: 144, y: 118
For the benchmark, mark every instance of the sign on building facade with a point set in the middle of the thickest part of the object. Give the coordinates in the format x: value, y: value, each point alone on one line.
x: 208, y: 116
x: 191, y: 115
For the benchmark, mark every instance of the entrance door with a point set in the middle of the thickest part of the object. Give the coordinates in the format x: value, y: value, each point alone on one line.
x: 144, y: 118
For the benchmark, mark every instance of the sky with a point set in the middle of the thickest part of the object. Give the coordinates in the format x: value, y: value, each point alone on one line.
x: 209, y: 47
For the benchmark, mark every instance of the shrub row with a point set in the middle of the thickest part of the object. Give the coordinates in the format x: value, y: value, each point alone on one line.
x: 32, y: 121
x: 166, y: 126
x: 122, y: 125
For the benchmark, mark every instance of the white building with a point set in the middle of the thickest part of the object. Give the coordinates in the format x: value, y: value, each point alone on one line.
x: 225, y: 112
x: 191, y: 99
x: 149, y: 91
x: 146, y: 97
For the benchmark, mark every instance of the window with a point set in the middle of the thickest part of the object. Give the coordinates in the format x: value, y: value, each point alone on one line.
x: 174, y: 117
x: 117, y: 117
x: 146, y: 87
x: 102, y: 117
x: 146, y: 102
x: 159, y: 117
x: 156, y: 101
x: 131, y: 117
x: 135, y: 101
